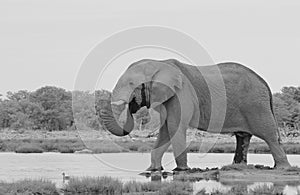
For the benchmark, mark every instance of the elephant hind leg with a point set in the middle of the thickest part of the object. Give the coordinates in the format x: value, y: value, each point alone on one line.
x: 242, y: 145
x: 263, y: 125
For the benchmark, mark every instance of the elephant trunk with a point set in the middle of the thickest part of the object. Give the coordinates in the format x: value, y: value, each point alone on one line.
x: 109, y: 111
x: 108, y: 121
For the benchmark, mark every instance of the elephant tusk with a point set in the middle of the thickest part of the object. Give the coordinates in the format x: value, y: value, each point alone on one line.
x: 118, y: 103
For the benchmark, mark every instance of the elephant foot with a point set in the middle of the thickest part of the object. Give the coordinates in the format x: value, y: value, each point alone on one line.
x: 180, y: 169
x: 155, y: 169
x: 240, y: 163
x: 282, y: 165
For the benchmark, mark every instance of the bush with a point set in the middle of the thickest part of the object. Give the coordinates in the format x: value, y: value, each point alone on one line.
x: 29, y: 148
x: 194, y: 147
x: 90, y: 185
x: 292, y: 149
x: 260, y: 148
x: 145, y: 148
x: 65, y: 149
x: 29, y: 186
x: 107, y: 146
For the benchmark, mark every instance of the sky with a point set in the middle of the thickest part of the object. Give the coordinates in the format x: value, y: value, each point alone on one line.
x: 45, y: 42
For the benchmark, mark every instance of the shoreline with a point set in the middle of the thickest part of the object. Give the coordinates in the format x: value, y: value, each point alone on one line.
x: 91, y: 141
x: 182, y: 183
x: 137, y: 146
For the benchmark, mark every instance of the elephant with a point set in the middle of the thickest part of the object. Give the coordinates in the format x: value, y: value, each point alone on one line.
x: 180, y: 93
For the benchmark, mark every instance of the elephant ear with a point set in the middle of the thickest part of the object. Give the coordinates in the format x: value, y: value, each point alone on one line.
x: 166, y: 81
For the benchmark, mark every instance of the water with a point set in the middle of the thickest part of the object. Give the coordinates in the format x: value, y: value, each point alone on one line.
x: 124, y: 166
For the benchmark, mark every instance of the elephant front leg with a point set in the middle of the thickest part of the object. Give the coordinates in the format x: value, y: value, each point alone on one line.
x: 178, y: 141
x: 161, y: 145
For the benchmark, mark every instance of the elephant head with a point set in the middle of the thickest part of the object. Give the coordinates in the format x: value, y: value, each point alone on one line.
x: 145, y: 83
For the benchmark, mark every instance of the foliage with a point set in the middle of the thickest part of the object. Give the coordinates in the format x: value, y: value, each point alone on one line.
x: 287, y: 107
x: 48, y: 108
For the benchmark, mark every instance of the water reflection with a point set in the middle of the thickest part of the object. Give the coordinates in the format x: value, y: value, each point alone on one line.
x: 212, y: 182
x: 157, y: 176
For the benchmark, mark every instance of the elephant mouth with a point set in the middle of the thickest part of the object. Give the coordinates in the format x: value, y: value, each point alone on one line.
x: 140, y: 98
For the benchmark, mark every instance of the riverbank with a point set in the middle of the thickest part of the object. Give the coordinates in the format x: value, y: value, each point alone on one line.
x: 109, y: 186
x: 140, y: 141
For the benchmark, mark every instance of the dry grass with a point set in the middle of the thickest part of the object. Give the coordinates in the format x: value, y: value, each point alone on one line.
x: 29, y: 186
x: 93, y: 185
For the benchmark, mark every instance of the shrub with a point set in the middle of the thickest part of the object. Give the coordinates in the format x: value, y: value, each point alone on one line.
x: 29, y: 148
x: 104, y: 147
x: 194, y: 147
x: 145, y: 148
x: 293, y: 168
x: 65, y: 149
x: 261, y: 148
x: 292, y: 149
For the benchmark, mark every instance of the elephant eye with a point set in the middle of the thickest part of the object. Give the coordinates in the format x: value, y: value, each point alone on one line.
x: 131, y: 83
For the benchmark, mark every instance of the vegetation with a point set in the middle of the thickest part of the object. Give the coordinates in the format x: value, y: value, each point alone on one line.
x: 110, y: 186
x: 89, y: 185
x: 107, y: 185
x: 29, y: 148
x: 29, y: 186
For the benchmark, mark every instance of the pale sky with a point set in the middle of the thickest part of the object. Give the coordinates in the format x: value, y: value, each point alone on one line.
x: 44, y: 42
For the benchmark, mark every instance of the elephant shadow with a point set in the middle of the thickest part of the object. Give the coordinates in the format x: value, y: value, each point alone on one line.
x: 175, y: 176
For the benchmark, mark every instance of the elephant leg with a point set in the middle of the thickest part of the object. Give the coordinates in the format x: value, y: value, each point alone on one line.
x: 177, y: 132
x: 178, y: 141
x: 242, y: 145
x: 263, y: 125
x: 161, y: 145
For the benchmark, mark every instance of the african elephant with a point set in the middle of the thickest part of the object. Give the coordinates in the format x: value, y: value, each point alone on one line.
x: 180, y: 93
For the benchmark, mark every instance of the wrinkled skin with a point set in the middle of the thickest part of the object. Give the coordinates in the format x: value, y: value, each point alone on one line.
x: 180, y: 94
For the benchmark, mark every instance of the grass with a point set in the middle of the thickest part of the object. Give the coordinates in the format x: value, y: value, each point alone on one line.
x: 90, y: 185
x: 265, y: 189
x: 29, y: 186
x: 108, y: 185
x: 111, y: 186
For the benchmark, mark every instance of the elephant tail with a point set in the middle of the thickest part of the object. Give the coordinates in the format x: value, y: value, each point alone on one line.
x: 277, y: 128
x: 272, y: 110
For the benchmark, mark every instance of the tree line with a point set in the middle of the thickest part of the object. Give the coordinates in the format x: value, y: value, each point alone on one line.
x: 50, y: 108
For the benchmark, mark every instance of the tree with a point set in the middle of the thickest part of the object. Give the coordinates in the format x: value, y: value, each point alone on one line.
x: 287, y: 106
x: 56, y: 106
x: 17, y: 96
x: 281, y: 112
